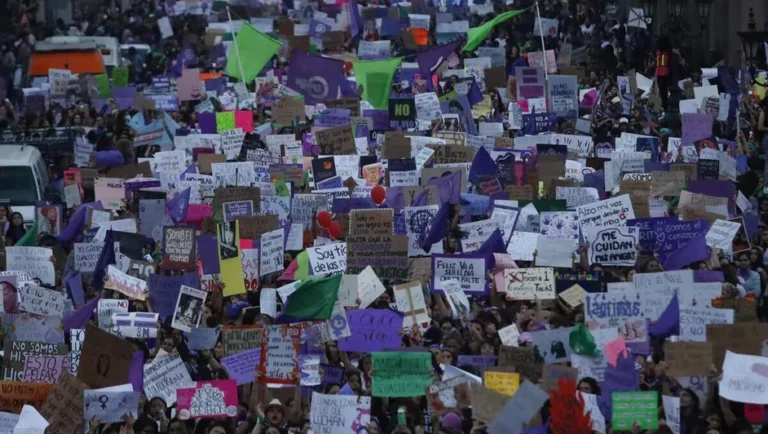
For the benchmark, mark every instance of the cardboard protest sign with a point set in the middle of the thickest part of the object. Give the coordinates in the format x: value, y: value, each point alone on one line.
x: 523, y: 360
x: 106, y: 359
x: 242, y: 366
x: 63, y: 407
x: 743, y: 338
x: 501, y: 381
x: 530, y: 283
x: 237, y: 339
x: 208, y: 400
x: 35, y: 261
x: 179, y: 247
x: 42, y: 368
x: 688, y: 359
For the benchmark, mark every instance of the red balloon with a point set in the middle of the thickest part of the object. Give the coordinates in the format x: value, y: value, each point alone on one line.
x: 378, y: 194
x: 324, y: 218
x: 334, y: 230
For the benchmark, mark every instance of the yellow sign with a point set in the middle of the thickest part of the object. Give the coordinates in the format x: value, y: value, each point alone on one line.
x: 502, y: 382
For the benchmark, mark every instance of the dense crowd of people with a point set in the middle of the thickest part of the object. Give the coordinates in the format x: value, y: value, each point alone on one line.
x: 627, y: 185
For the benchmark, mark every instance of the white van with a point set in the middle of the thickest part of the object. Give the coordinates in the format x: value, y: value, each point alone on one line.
x: 108, y: 47
x: 23, y: 179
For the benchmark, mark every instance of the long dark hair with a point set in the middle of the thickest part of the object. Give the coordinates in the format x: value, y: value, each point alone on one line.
x: 15, y: 231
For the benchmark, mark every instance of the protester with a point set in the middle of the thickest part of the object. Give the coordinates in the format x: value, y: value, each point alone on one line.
x: 435, y: 218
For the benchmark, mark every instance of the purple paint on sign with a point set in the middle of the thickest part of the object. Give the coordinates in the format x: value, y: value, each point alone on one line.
x: 372, y: 330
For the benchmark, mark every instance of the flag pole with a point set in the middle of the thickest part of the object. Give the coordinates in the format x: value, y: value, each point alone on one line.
x: 237, y: 48
x: 543, y: 47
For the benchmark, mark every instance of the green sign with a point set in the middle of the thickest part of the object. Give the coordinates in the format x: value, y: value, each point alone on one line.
x: 631, y: 407
x: 401, y: 374
x: 102, y: 82
x: 120, y: 77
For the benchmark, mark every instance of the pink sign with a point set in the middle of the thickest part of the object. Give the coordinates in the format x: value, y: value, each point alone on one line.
x: 196, y: 212
x: 208, y: 400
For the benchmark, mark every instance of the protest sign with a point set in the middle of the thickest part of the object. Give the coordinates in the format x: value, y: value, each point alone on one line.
x: 240, y: 338
x: 106, y: 359
x: 519, y: 409
x: 469, y: 270
x: 63, y: 407
x: 164, y: 375
x: 203, y: 338
x: 688, y: 359
x: 410, y: 301
x: 743, y: 380
x: 110, y: 191
x: 207, y: 400
x: 742, y: 338
x: 339, y: 414
x: 280, y: 350
x: 501, y: 381
x: 617, y: 310
x: 105, y: 309
x: 609, y: 212
x: 328, y: 259
x: 241, y: 366
x: 86, y: 256
x: 553, y: 346
x: 372, y: 330
x: 109, y: 406
x: 41, y: 301
x: 401, y: 374
x: 634, y: 407
x: 45, y: 368
x: 369, y: 287
x: 272, y: 252
x: 228, y: 236
x: 130, y: 286
x: 694, y: 321
x: 178, y: 247
x: 530, y: 283
x: 189, y: 308
x: 612, y: 246
x: 447, y: 395
x: 17, y: 352
x: 36, y: 261
x: 14, y: 395
x: 486, y: 403
x: 77, y: 337
x: 721, y: 234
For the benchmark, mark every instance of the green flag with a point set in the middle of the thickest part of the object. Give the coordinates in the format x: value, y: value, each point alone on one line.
x: 582, y: 342
x: 476, y: 35
x: 255, y: 49
x: 314, y: 299
x: 29, y: 239
x: 376, y: 78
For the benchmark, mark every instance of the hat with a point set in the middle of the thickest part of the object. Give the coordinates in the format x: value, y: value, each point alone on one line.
x: 276, y: 403
x: 451, y: 422
x: 623, y: 121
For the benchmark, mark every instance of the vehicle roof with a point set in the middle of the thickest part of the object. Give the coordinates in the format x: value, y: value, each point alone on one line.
x: 18, y: 155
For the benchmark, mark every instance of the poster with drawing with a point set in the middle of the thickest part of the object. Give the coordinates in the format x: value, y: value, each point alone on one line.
x: 189, y: 308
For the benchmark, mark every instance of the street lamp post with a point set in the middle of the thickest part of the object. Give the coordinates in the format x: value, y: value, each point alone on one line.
x: 752, y: 41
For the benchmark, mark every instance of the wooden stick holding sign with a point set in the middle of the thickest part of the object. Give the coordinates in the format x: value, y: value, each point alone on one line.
x: 410, y: 300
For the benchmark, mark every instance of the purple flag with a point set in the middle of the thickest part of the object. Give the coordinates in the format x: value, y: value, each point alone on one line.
x: 448, y: 187
x: 209, y: 253
x: 207, y: 123
x: 317, y: 78
x: 694, y: 250
x: 356, y: 26
x: 483, y: 167
x: 106, y: 257
x: 703, y: 276
x: 372, y: 330
x: 136, y: 373
x: 494, y: 244
x: 76, y: 222
x: 439, y: 229
x: 177, y: 207
x: 422, y: 199
x: 396, y: 198
x: 78, y: 318
x: 622, y: 378
x: 190, y: 171
x: 431, y: 59
x: 668, y: 323
x: 75, y: 284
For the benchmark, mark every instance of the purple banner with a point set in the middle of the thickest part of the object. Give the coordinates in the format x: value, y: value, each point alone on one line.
x: 664, y: 235
x: 372, y: 330
x: 209, y: 253
x: 163, y: 290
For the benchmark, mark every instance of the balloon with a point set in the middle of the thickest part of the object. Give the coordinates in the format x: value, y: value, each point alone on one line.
x: 324, y: 218
x: 378, y: 194
x: 334, y: 230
